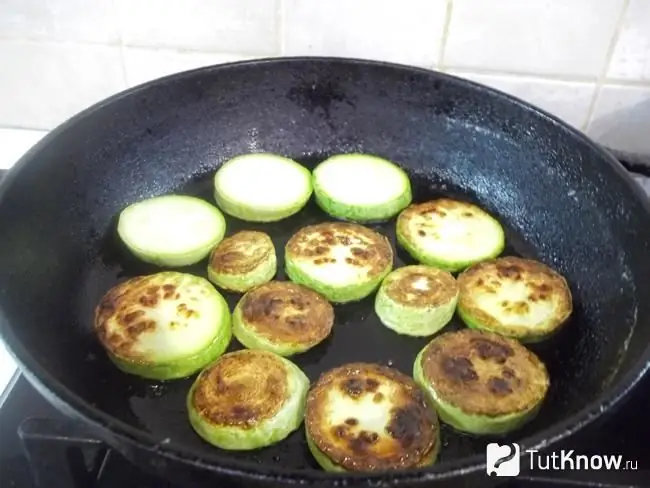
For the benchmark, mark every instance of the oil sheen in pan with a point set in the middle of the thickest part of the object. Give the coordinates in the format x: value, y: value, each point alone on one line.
x: 159, y: 408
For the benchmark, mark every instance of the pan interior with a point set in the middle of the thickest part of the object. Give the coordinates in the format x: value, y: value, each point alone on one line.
x: 559, y: 201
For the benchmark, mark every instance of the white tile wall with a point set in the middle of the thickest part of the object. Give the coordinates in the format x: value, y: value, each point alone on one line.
x: 60, y: 20
x: 567, y: 99
x: 622, y: 118
x: 143, y: 65
x: 247, y: 26
x: 43, y: 84
x: 406, y: 31
x: 16, y: 142
x: 557, y: 37
x: 579, y: 59
x: 631, y: 59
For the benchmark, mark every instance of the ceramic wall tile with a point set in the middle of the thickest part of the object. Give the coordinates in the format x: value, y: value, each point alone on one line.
x: 42, y: 84
x: 409, y: 31
x: 555, y: 37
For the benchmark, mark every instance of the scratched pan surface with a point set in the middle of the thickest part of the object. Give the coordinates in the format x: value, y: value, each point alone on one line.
x: 561, y: 199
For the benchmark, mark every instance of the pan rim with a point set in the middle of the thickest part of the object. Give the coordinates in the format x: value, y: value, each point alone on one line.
x: 113, y: 430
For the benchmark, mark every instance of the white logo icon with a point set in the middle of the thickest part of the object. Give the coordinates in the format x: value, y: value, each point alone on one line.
x: 502, y: 460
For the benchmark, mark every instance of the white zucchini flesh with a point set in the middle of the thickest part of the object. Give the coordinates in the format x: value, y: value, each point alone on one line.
x: 342, y: 261
x: 515, y: 297
x: 361, y: 187
x: 450, y: 234
x: 368, y: 417
x: 262, y: 187
x: 164, y: 325
x: 171, y: 230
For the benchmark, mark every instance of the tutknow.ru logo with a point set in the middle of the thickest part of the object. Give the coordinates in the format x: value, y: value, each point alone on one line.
x: 504, y: 460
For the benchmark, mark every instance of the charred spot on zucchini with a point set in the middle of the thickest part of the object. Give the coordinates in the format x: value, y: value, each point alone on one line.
x: 416, y: 300
x: 163, y: 326
x: 247, y: 400
x: 386, y: 189
x: 282, y: 317
x: 171, y: 230
x: 262, y: 187
x: 481, y: 383
x: 342, y: 261
x: 515, y: 297
x: 449, y: 234
x: 368, y: 417
x: 243, y: 261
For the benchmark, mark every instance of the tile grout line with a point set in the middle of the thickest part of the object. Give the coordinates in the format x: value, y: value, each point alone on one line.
x: 120, y: 31
x: 445, y: 34
x: 548, y: 77
x: 279, y: 25
x: 22, y: 127
x: 603, y: 74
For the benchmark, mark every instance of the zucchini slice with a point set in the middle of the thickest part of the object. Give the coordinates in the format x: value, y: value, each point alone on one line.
x: 282, y: 317
x: 243, y: 261
x: 481, y: 383
x: 416, y: 300
x: 342, y: 261
x: 163, y: 326
x: 449, y: 234
x: 361, y: 188
x: 368, y: 417
x: 262, y: 187
x: 247, y: 400
x: 171, y: 230
x: 515, y: 297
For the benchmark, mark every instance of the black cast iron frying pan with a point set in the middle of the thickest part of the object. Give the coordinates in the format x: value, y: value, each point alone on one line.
x: 563, y: 200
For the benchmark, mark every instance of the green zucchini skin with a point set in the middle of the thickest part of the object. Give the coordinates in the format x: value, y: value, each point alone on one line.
x: 515, y: 297
x: 158, y: 231
x: 455, y: 398
x: 243, y: 261
x: 257, y: 372
x: 344, y: 262
x: 282, y: 317
x: 449, y: 234
x: 416, y: 300
x: 244, y: 189
x: 329, y: 175
x: 163, y: 326
x: 365, y: 404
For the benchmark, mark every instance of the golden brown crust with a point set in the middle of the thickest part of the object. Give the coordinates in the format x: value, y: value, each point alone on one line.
x: 125, y: 307
x: 283, y: 311
x: 484, y: 373
x: 409, y: 436
x: 368, y: 249
x: 440, y: 207
x: 543, y: 282
x: 420, y: 286
x: 241, y: 253
x: 241, y: 389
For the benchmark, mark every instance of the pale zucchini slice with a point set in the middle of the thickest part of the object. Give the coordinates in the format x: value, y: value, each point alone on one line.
x: 449, y: 234
x: 342, y: 261
x: 361, y: 187
x: 481, y: 383
x: 368, y: 417
x: 171, y: 230
x: 163, y: 326
x: 262, y: 187
x: 416, y: 300
x: 247, y: 400
x: 243, y: 261
x: 282, y: 317
x: 515, y: 297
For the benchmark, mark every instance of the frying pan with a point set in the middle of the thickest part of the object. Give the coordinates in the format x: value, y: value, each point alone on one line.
x: 562, y: 200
